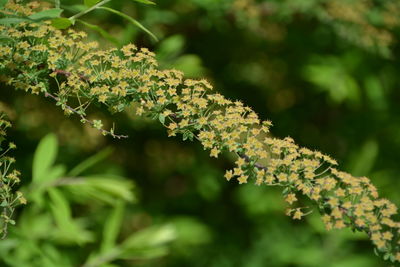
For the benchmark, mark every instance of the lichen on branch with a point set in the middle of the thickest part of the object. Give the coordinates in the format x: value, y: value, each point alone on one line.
x: 39, y: 59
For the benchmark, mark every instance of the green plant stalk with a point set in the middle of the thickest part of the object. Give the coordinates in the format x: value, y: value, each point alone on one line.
x: 80, y: 14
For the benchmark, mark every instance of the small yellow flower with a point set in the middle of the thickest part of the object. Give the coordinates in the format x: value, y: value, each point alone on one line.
x: 290, y: 198
x: 228, y: 175
x: 214, y: 152
x: 243, y: 179
x: 298, y: 214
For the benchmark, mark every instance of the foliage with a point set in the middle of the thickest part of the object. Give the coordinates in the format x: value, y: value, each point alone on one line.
x: 117, y: 78
x: 9, y: 179
x: 48, y: 222
x: 364, y: 23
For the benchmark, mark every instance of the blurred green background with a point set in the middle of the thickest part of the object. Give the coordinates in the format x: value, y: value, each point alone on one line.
x: 324, y: 72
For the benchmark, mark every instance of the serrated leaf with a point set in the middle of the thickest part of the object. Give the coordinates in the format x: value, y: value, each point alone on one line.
x: 44, y: 158
x: 130, y: 19
x: 90, y: 3
x: 147, y: 2
x: 61, y: 23
x: 100, y: 30
x: 47, y: 14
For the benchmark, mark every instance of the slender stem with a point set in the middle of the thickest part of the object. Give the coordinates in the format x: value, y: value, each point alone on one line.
x: 71, y: 109
x: 80, y: 14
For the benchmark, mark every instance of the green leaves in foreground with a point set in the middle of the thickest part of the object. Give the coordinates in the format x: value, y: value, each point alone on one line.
x: 80, y: 211
x: 44, y: 158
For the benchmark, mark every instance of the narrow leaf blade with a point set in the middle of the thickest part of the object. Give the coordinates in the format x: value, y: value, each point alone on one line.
x: 47, y: 14
x: 44, y: 158
x: 90, y: 3
x: 9, y: 21
x: 100, y: 30
x: 112, y: 227
x: 147, y: 2
x: 130, y: 19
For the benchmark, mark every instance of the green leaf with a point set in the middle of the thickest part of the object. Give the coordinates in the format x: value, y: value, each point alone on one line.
x: 47, y: 14
x: 4, y: 39
x: 362, y: 162
x: 150, y: 242
x: 100, y: 30
x: 61, y: 23
x: 130, y: 19
x: 90, y: 3
x: 61, y: 210
x: 8, y: 21
x: 70, y: 231
x: 191, y: 231
x: 90, y: 162
x: 55, y: 173
x: 161, y: 118
x: 106, y: 188
x: 147, y: 2
x: 112, y: 227
x: 44, y: 158
x: 3, y: 3
x: 151, y: 236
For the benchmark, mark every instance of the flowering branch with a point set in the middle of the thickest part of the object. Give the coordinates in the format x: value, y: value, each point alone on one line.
x: 118, y: 78
x: 83, y: 119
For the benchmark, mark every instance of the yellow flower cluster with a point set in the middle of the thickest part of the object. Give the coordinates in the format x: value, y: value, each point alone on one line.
x: 9, y: 178
x: 39, y: 54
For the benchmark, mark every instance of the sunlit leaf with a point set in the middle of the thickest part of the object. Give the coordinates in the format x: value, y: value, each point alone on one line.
x: 149, y: 243
x: 47, y: 14
x: 105, y: 188
x: 112, y: 226
x: 9, y: 21
x: 44, y: 158
x: 61, y: 23
x: 69, y: 230
x: 151, y: 236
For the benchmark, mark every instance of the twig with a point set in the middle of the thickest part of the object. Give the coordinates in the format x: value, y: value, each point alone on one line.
x: 84, y: 120
x: 247, y: 159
